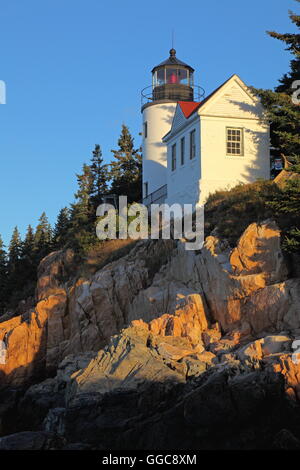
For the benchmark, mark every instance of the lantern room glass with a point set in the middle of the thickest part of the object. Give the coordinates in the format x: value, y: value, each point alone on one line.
x: 173, y: 75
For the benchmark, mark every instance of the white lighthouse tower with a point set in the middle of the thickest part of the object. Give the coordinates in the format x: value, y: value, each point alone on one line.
x: 172, y: 81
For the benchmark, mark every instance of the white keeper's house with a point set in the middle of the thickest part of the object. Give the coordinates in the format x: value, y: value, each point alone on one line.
x: 193, y: 145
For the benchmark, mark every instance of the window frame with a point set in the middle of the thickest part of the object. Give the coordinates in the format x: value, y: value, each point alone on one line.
x: 193, y: 144
x: 173, y: 157
x: 242, y: 150
x: 182, y: 150
x: 145, y: 129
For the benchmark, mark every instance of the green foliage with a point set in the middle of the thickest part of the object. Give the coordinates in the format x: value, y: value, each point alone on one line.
x: 82, y: 219
x: 14, y: 252
x: 126, y: 169
x: 23, y: 257
x: 292, y: 241
x: 43, y: 237
x: 282, y: 112
x: 100, y: 177
x: 75, y: 225
x: 29, y: 255
x: 285, y: 205
x: 61, y: 229
x: 284, y: 115
x: 232, y: 211
x: 3, y: 275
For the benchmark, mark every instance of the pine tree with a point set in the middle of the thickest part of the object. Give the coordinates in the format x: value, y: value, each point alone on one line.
x: 293, y: 45
x: 126, y: 170
x: 43, y: 237
x: 62, y: 228
x: 28, y: 245
x: 28, y: 261
x: 14, y: 280
x: 100, y: 176
x: 82, y: 212
x: 3, y: 276
x: 83, y: 216
x: 284, y: 115
x: 14, y: 252
x: 85, y: 182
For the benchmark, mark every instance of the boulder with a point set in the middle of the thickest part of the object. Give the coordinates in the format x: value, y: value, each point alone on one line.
x: 258, y: 251
x: 188, y: 320
x: 212, y: 335
x: 275, y: 344
x: 251, y: 351
x: 132, y: 360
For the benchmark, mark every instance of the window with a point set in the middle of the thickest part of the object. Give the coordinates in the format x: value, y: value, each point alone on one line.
x: 234, y: 141
x: 182, y: 76
x: 192, y: 144
x: 161, y: 78
x: 146, y: 189
x: 171, y: 75
x: 145, y: 130
x: 174, y: 157
x: 182, y: 150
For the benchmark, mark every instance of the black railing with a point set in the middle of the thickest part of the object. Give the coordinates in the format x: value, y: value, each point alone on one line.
x: 157, y: 197
x: 174, y: 92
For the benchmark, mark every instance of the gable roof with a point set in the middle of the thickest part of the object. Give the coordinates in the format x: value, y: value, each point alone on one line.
x: 188, y: 108
x: 234, y: 79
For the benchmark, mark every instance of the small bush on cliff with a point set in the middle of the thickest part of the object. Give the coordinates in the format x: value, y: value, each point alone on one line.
x: 232, y: 211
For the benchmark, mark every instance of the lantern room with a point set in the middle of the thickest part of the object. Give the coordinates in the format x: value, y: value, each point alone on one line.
x: 173, y: 80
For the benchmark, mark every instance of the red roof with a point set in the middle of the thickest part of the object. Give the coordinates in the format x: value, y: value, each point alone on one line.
x: 188, y: 107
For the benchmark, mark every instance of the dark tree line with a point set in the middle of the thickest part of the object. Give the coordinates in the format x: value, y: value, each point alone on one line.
x: 75, y: 225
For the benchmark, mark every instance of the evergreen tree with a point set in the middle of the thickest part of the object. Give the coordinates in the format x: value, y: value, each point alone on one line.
x: 28, y: 245
x: 83, y: 216
x: 14, y: 252
x: 3, y: 276
x: 42, y: 237
x: 62, y: 228
x: 14, y: 280
x: 100, y: 175
x: 28, y: 261
x: 85, y: 186
x: 284, y: 115
x: 126, y: 170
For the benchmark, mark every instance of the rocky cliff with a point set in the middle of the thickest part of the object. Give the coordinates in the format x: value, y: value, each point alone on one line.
x: 162, y: 348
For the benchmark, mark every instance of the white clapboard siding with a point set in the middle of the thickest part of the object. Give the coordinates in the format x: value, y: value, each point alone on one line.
x: 234, y: 101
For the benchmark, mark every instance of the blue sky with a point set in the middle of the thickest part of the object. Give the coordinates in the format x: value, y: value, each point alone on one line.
x: 74, y: 70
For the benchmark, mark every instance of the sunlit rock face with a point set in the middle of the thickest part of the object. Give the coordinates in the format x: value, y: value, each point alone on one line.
x: 176, y: 292
x: 75, y: 315
x: 143, y: 342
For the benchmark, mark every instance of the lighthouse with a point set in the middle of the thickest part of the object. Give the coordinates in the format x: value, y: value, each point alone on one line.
x: 172, y: 81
